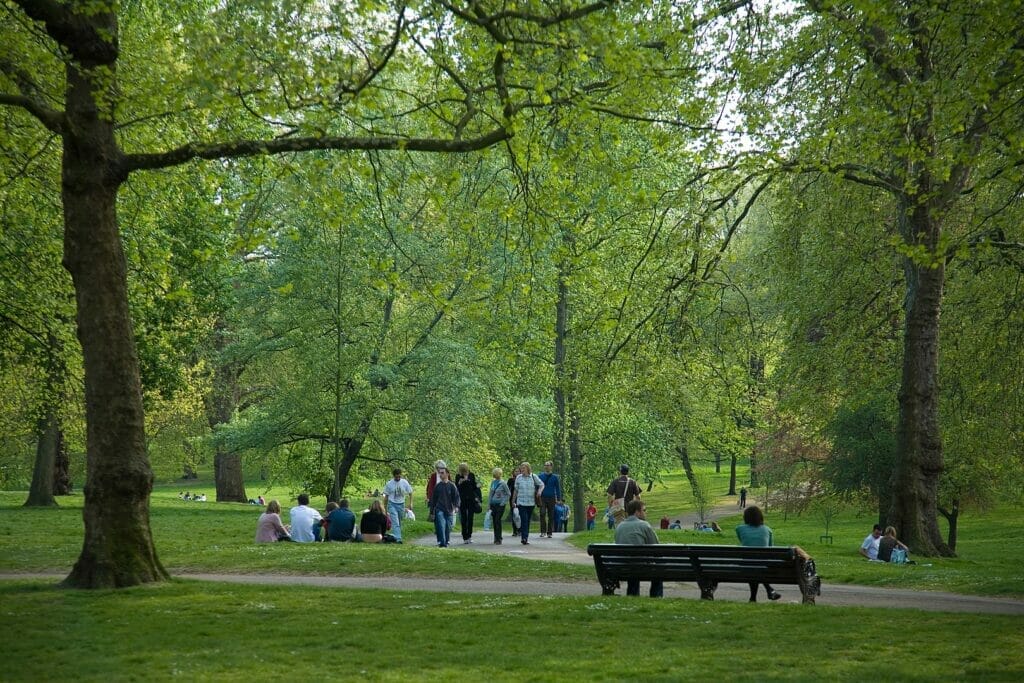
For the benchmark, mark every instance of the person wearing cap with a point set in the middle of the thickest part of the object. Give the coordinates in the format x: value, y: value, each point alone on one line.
x: 622, y: 490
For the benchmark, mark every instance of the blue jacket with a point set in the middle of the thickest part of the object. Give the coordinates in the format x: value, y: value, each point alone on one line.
x: 552, y: 485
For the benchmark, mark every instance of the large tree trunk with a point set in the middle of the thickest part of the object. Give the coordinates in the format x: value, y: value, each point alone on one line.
x: 733, y: 461
x: 915, y: 480
x: 561, y: 430
x: 228, y: 476
x: 684, y: 457
x: 40, y: 493
x: 62, y: 467
x: 118, y: 546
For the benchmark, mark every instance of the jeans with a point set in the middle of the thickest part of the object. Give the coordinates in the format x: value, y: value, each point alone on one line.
x: 590, y: 525
x: 525, y: 512
x: 657, y: 588
x: 442, y: 526
x: 497, y: 511
x: 396, y: 511
x: 547, y: 515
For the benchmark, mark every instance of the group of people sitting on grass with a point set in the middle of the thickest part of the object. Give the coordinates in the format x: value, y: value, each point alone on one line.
x: 338, y: 523
x: 187, y: 495
x: 879, y: 547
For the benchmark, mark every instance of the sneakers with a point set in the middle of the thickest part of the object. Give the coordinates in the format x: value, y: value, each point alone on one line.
x: 774, y: 596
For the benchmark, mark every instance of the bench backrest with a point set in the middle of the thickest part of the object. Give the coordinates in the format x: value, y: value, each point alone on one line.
x: 678, y: 562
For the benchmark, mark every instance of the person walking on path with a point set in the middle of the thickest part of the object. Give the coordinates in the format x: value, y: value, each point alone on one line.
x: 622, y: 490
x: 398, y: 495
x: 634, y: 530
x: 549, y: 499
x: 754, y: 533
x: 469, y: 493
x: 445, y: 502
x: 497, y: 499
x: 527, y: 493
x: 743, y: 496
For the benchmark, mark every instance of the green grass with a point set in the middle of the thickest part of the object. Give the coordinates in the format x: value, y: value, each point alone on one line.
x: 191, y: 631
x: 214, y: 537
x: 218, y: 537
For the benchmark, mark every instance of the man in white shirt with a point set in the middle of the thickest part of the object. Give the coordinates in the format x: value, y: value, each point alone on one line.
x: 302, y: 519
x: 398, y: 496
x: 869, y: 548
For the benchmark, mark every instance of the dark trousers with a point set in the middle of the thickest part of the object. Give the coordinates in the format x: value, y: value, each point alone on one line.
x: 466, y: 520
x: 657, y: 588
x: 525, y: 513
x: 497, y: 511
x: 753, y: 589
x: 547, y: 516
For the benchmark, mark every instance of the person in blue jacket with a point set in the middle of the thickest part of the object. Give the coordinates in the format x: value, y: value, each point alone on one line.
x: 549, y: 497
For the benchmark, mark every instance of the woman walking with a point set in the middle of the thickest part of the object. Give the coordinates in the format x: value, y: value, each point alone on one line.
x: 497, y: 498
x: 527, y: 492
x: 469, y: 493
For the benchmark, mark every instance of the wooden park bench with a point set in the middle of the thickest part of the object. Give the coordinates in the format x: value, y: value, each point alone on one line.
x: 707, y: 565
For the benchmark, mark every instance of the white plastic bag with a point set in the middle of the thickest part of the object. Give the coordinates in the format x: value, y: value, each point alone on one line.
x: 487, y: 521
x: 515, y: 517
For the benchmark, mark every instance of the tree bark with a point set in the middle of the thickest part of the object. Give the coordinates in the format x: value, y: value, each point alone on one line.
x: 684, y: 457
x: 62, y: 467
x: 952, y: 517
x: 915, y: 479
x: 118, y: 546
x: 732, y: 475
x: 228, y: 475
x: 40, y: 493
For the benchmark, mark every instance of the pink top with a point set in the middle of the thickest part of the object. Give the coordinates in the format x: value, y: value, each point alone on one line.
x: 269, y: 527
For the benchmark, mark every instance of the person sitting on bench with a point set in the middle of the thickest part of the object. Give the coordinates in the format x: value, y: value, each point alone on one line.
x: 634, y: 530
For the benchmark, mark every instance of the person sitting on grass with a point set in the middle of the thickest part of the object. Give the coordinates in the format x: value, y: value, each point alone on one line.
x: 889, y: 543
x: 269, y: 528
x: 341, y: 522
x: 869, y: 548
x: 305, y: 521
x: 374, y: 523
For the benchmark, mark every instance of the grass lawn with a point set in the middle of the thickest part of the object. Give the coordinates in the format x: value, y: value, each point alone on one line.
x: 199, y: 631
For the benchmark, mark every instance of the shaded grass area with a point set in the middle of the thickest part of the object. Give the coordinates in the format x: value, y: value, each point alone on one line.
x: 212, y: 631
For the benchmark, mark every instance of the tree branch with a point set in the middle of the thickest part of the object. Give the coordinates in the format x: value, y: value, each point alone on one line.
x: 247, y: 148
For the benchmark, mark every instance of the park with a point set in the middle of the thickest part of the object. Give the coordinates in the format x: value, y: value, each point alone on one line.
x: 263, y: 249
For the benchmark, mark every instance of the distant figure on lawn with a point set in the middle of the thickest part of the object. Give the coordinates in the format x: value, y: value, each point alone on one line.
x: 664, y: 522
x: 305, y: 521
x: 869, y: 548
x: 888, y: 544
x: 341, y: 522
x: 269, y: 528
x: 743, y: 496
x: 591, y: 516
x: 374, y: 523
x: 756, y: 534
x: 678, y: 524
x: 634, y: 530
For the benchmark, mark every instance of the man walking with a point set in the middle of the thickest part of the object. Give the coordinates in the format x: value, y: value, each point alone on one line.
x: 445, y: 503
x: 743, y: 496
x: 398, y: 496
x: 634, y: 530
x: 549, y: 497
